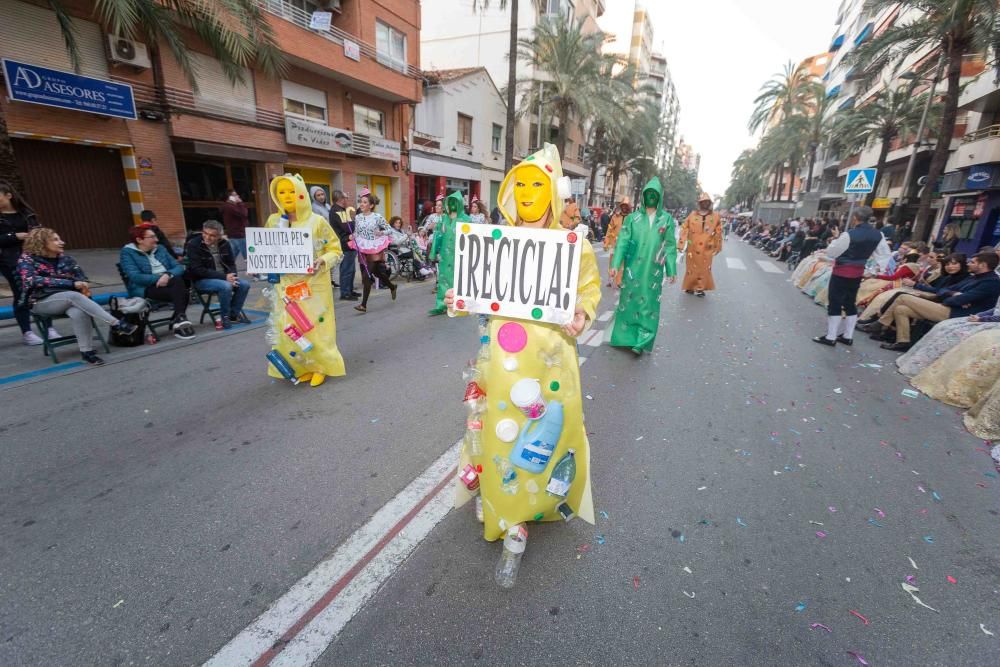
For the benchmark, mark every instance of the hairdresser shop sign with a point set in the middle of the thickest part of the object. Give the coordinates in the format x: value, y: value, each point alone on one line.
x: 65, y: 90
x: 518, y: 272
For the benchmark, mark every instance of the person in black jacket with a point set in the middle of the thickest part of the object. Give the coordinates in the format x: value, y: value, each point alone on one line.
x: 16, y: 220
x: 977, y: 293
x: 341, y: 219
x: 149, y: 218
x: 212, y: 267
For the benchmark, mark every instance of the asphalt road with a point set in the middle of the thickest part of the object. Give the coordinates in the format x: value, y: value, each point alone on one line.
x: 151, y: 509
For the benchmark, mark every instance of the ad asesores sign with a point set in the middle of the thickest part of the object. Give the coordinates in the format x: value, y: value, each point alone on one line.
x: 65, y: 90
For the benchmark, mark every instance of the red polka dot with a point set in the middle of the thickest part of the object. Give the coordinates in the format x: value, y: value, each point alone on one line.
x: 460, y: 304
x: 494, y: 306
x: 548, y: 169
x: 302, y: 196
x: 571, y: 237
x: 309, y: 270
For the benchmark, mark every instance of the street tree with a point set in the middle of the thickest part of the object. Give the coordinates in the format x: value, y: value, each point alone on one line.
x: 953, y: 29
x: 680, y: 186
x: 784, y: 94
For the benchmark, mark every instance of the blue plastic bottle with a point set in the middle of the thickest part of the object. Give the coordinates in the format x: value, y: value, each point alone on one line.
x: 282, y: 366
x: 538, y: 439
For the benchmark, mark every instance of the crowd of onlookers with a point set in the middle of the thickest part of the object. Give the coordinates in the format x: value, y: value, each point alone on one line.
x: 941, y: 309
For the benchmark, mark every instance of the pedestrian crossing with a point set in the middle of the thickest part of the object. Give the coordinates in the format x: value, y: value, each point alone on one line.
x: 735, y: 263
x: 769, y: 267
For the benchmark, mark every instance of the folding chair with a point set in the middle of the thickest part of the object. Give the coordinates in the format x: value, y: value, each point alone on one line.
x: 44, y: 322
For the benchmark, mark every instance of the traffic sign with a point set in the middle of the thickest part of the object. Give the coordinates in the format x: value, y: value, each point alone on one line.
x: 859, y: 181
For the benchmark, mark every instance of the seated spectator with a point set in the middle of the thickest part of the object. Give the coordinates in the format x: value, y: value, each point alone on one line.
x: 944, y: 336
x: 938, y: 274
x: 54, y: 284
x: 151, y: 272
x: 964, y: 373
x: 149, y: 218
x: 212, y: 268
x: 977, y: 293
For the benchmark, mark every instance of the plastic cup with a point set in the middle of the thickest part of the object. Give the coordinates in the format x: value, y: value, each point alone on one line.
x: 526, y: 394
x: 507, y: 430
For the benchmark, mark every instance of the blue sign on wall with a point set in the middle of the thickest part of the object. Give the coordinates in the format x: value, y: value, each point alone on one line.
x: 65, y: 90
x: 980, y: 177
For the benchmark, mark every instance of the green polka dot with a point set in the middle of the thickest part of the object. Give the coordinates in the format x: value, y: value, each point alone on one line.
x: 554, y: 386
x: 536, y: 313
x: 321, y: 319
x: 497, y: 234
x: 250, y: 248
x: 529, y: 158
x: 539, y: 516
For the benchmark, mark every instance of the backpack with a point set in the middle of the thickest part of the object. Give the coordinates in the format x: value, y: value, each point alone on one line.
x: 134, y: 310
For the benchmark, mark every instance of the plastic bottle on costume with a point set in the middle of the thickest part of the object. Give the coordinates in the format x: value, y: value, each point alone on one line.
x: 508, y: 476
x: 538, y: 440
x: 479, y: 508
x: 474, y: 433
x: 293, y: 332
x: 563, y: 475
x: 514, y: 543
x: 297, y: 314
x: 282, y: 366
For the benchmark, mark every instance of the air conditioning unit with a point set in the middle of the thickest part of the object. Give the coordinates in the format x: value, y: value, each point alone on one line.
x: 334, y: 5
x: 124, y: 51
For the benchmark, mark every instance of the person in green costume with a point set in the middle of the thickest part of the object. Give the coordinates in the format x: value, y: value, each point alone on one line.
x: 443, y: 247
x: 646, y: 246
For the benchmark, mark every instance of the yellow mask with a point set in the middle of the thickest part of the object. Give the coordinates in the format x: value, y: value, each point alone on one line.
x: 532, y: 192
x: 285, y: 193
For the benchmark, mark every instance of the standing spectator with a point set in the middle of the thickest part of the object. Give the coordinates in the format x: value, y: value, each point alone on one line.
x: 152, y: 273
x: 235, y: 218
x: 16, y: 220
x: 212, y: 267
x: 478, y: 213
x: 54, y: 284
x: 149, y: 218
x: 495, y: 215
x: 903, y: 233
x: 320, y: 207
x: 949, y: 239
x: 889, y: 232
x: 605, y: 221
x: 342, y: 221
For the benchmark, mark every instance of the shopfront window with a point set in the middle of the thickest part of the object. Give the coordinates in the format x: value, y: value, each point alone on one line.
x: 203, y: 186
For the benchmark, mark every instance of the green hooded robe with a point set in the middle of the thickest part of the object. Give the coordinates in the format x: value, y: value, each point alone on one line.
x: 443, y: 246
x: 645, y: 247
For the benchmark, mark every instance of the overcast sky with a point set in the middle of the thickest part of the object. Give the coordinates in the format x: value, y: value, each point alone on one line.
x: 719, y: 53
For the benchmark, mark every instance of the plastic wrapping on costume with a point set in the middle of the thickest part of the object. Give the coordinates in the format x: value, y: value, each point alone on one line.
x: 525, y: 390
x: 644, y: 251
x: 301, y: 327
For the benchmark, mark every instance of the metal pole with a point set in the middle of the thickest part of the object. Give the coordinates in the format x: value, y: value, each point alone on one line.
x: 850, y: 214
x: 541, y: 95
x: 904, y: 194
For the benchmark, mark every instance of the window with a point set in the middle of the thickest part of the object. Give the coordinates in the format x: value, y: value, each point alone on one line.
x: 390, y: 46
x: 304, y: 102
x: 580, y: 154
x: 569, y: 149
x: 464, y: 129
x: 497, y: 138
x: 553, y: 9
x: 369, y: 121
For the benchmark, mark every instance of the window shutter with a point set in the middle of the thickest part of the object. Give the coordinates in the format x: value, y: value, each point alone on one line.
x: 217, y: 94
x: 32, y: 34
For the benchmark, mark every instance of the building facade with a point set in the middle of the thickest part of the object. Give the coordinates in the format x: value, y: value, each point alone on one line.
x: 339, y: 116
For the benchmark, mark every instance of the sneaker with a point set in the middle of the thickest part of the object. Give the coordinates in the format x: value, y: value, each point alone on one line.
x: 349, y: 298
x: 240, y: 318
x: 226, y: 322
x: 182, y: 329
x: 425, y: 272
x: 92, y: 358
x: 124, y: 327
x: 699, y: 293
x: 31, y: 338
x: 54, y: 334
x: 218, y: 323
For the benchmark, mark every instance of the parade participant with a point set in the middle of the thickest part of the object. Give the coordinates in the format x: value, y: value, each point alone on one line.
x: 443, y: 248
x: 701, y: 241
x: 303, y: 303
x: 646, y: 245
x: 850, y: 252
x: 571, y: 216
x: 523, y: 359
x: 614, y: 227
x: 370, y: 238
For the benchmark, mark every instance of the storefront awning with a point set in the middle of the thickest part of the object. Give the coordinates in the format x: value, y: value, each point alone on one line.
x: 432, y: 165
x: 208, y: 149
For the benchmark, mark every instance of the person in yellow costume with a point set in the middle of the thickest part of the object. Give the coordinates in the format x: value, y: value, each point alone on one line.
x: 312, y: 292
x: 527, y: 350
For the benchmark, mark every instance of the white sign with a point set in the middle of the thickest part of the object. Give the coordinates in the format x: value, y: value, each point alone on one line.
x: 279, y: 250
x: 321, y: 21
x: 859, y: 181
x: 384, y: 149
x: 519, y: 272
x: 352, y: 50
x: 314, y: 135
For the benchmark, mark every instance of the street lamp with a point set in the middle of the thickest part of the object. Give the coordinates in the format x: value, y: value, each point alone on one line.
x: 913, y: 78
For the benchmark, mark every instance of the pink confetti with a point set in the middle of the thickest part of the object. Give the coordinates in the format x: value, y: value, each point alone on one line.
x: 832, y: 508
x: 923, y: 511
x: 820, y: 534
x: 921, y: 489
x: 860, y: 616
x: 583, y: 548
x: 819, y: 625
x: 857, y: 656
x: 952, y: 580
x: 910, y: 579
x: 880, y: 513
x: 635, y: 583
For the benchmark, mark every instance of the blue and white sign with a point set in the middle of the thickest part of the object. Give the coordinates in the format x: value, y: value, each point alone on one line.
x: 859, y: 181
x: 980, y: 177
x: 65, y: 90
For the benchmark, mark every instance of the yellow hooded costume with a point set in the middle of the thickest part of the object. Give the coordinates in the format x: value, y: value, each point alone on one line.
x: 520, y: 349
x: 290, y: 195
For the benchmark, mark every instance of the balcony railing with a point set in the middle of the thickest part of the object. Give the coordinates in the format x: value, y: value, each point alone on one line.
x: 982, y: 133
x: 285, y: 10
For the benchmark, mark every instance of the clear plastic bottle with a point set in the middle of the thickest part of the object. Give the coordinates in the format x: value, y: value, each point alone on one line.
x: 563, y: 475
x: 479, y: 508
x: 508, y: 476
x: 514, y: 544
x: 474, y: 433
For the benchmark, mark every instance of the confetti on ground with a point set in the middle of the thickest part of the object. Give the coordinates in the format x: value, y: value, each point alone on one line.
x: 640, y: 438
x: 635, y: 583
x: 875, y: 523
x: 857, y: 656
x: 583, y: 548
x: 866, y: 621
x: 880, y: 513
x: 817, y: 523
x: 913, y: 590
x: 832, y: 509
x: 910, y: 393
x: 687, y: 569
x: 820, y: 534
x: 800, y: 606
x: 599, y: 538
x: 983, y: 628
x: 951, y: 579
x: 838, y: 390
x: 913, y: 563
x: 604, y: 515
x: 936, y: 496
x: 702, y: 488
x: 819, y: 625
x: 740, y: 521
x: 690, y: 595
x: 910, y: 579
x: 117, y: 604
x: 929, y: 539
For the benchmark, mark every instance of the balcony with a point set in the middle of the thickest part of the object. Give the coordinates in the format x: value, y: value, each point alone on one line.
x: 979, y: 147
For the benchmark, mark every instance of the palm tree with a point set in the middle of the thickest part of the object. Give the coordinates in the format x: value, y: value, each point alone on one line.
x: 620, y: 78
x: 888, y: 115
x: 820, y: 124
x: 575, y: 80
x: 632, y: 138
x: 235, y: 31
x: 952, y: 28
x: 785, y: 94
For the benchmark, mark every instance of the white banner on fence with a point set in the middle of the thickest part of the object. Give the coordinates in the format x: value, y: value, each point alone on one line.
x: 279, y: 250
x: 519, y: 272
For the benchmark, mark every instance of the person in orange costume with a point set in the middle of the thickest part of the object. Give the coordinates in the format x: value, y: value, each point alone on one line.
x: 701, y: 237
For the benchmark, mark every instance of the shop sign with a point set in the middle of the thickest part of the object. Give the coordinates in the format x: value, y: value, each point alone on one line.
x: 962, y: 206
x: 303, y: 133
x: 352, y: 50
x: 882, y: 202
x: 384, y: 149
x: 980, y: 177
x: 65, y: 90
x: 145, y: 166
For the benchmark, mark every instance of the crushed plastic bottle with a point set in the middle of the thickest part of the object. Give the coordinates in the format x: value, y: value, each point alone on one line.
x: 563, y: 475
x: 508, y: 476
x: 474, y: 434
x: 479, y: 508
x: 514, y: 544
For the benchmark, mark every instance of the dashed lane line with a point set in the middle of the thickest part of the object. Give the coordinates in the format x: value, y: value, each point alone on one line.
x: 768, y: 267
x: 735, y: 263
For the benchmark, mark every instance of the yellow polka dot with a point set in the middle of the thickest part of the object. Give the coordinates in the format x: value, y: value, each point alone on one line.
x: 466, y: 229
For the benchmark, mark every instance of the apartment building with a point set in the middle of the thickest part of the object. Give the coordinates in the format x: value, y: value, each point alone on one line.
x: 339, y: 117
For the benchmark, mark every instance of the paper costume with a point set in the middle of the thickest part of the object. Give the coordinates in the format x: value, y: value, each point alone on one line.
x: 645, y: 249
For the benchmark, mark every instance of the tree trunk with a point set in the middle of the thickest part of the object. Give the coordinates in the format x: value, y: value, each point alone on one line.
x: 563, y: 126
x: 812, y: 165
x: 8, y: 163
x: 922, y: 225
x: 883, y: 152
x: 794, y: 167
x: 614, y: 179
x: 595, y: 159
x: 508, y: 159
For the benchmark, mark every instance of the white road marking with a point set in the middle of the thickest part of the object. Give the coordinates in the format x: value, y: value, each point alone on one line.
x: 735, y: 263
x: 251, y: 644
x: 605, y: 316
x: 595, y: 339
x: 582, y: 360
x: 768, y: 266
